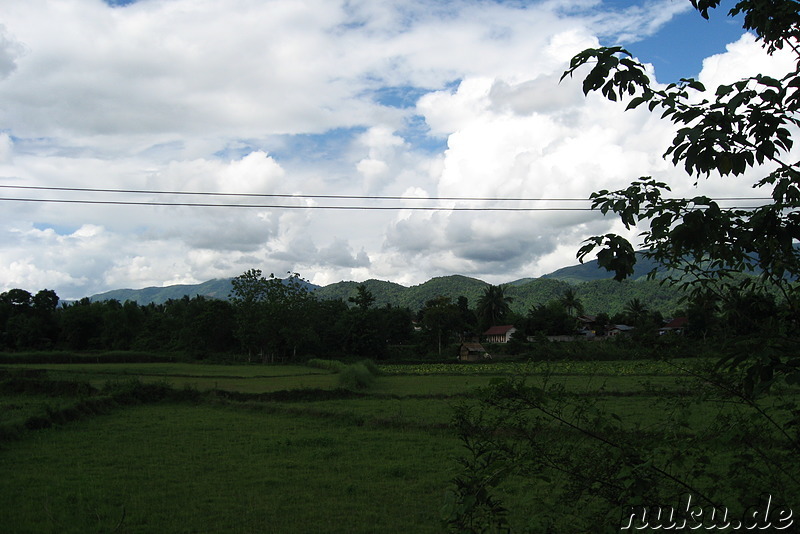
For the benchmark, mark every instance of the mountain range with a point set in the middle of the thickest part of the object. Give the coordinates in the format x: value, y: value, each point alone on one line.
x: 594, y: 286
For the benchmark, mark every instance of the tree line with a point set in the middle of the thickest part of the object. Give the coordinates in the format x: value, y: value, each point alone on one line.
x: 270, y: 319
x: 265, y: 318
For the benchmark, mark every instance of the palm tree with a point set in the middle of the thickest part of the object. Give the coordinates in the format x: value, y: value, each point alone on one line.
x: 493, y: 306
x: 636, y: 310
x: 571, y: 302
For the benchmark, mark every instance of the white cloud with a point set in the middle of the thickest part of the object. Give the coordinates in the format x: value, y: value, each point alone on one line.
x: 637, y: 21
x: 740, y: 59
x: 6, y: 148
x: 10, y: 52
x: 289, y: 98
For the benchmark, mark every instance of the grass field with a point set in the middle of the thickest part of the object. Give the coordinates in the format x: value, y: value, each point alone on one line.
x: 262, y: 448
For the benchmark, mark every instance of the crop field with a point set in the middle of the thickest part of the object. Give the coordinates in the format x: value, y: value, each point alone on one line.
x: 265, y: 448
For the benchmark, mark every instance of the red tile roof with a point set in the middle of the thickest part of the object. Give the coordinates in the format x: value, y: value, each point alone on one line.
x: 677, y: 322
x: 498, y: 330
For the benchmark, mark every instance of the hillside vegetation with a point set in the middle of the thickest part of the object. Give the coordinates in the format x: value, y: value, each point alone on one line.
x: 596, y: 290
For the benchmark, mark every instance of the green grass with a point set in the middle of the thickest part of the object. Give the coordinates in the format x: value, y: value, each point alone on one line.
x: 420, y: 413
x: 243, y: 378
x: 581, y: 368
x: 183, y: 468
x: 18, y: 408
x: 173, y: 369
x: 377, y: 459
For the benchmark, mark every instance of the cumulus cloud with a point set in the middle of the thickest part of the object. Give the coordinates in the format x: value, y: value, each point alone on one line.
x: 340, y: 254
x: 290, y: 99
x: 539, y: 138
x: 10, y: 52
x: 739, y: 60
x: 6, y: 148
x: 517, y: 141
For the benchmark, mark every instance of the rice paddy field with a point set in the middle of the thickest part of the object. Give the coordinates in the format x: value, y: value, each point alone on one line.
x: 262, y: 448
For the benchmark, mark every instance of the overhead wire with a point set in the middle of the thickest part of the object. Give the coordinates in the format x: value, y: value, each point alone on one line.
x: 365, y: 207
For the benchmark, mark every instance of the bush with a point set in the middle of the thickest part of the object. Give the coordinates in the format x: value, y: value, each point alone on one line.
x: 356, y: 376
x: 371, y: 367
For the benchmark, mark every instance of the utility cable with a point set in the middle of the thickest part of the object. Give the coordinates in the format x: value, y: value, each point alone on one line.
x: 315, y: 207
x: 338, y: 197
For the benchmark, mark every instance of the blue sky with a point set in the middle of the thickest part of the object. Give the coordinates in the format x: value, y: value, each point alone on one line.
x: 678, y: 49
x: 400, y: 98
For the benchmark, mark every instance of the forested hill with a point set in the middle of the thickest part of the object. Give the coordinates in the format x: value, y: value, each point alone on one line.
x: 413, y: 297
x: 590, y: 271
x: 217, y: 288
x: 597, y: 294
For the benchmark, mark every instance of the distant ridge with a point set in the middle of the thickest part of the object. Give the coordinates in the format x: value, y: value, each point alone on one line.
x: 218, y: 288
x: 594, y: 286
x: 589, y: 271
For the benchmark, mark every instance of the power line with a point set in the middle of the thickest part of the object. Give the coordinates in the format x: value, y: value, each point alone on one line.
x: 283, y: 206
x: 300, y: 196
x: 279, y: 195
x: 307, y: 207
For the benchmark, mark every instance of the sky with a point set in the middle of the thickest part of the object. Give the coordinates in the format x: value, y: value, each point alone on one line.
x: 118, y: 109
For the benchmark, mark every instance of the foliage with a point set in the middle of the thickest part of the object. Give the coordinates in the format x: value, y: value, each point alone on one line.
x: 359, y: 375
x: 493, y: 307
x: 356, y: 376
x: 751, y: 445
x: 744, y: 126
x: 363, y: 298
x: 716, y: 445
x: 371, y: 367
x: 28, y: 321
x: 471, y: 505
x: 741, y: 125
x: 551, y: 319
x: 441, y: 319
x: 268, y: 318
x: 269, y: 313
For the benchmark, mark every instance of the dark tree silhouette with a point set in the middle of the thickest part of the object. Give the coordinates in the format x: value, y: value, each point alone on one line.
x: 493, y: 306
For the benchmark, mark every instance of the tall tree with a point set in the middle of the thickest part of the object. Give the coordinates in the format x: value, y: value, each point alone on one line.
x: 363, y: 299
x: 441, y: 318
x: 248, y: 295
x: 571, y: 302
x: 493, y: 306
x: 636, y: 311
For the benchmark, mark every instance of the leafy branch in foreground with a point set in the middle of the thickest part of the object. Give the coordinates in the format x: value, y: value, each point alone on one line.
x: 730, y: 442
x: 596, y: 464
x: 741, y: 129
x: 742, y: 125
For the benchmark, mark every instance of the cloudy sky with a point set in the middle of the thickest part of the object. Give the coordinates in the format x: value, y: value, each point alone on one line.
x: 294, y: 102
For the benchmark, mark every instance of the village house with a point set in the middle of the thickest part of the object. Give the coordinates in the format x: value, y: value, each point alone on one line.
x: 499, y: 334
x: 472, y: 352
x: 674, y: 326
x: 619, y: 329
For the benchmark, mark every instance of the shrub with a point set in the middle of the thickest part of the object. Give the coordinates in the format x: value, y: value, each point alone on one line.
x: 371, y: 367
x: 355, y: 376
